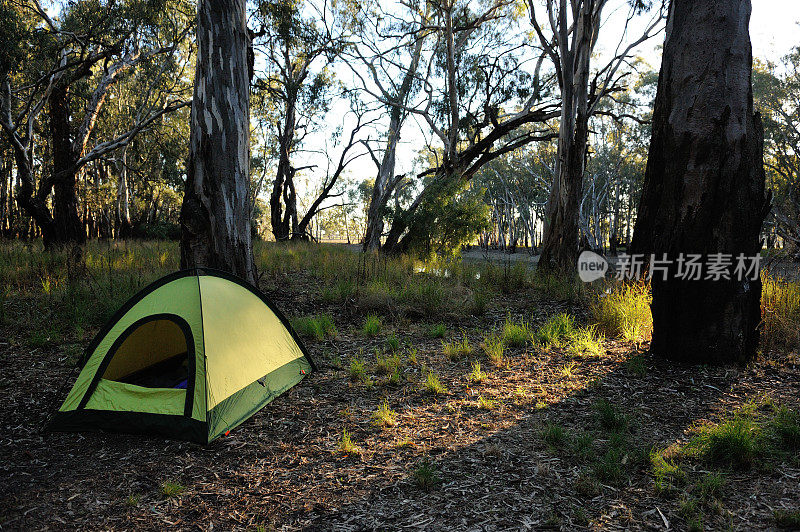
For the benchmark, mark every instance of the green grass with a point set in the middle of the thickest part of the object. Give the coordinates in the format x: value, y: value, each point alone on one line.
x: 735, y: 442
x: 391, y: 343
x: 338, y: 291
x: 426, y: 475
x: 515, y: 334
x: 358, y: 370
x: 789, y: 519
x: 437, y: 331
x: 609, y: 467
x: 171, y: 489
x: 480, y: 301
x: 583, y: 445
x: 457, y: 349
x: 433, y: 384
x: 485, y: 403
x: 785, y: 426
x: 494, y: 347
x: 667, y: 475
x: 609, y: 416
x: 133, y: 500
x: 384, y: 416
x: 756, y: 434
x: 710, y: 486
x: 347, y: 445
x: 554, y: 435
x: 624, y: 312
x: 411, y: 355
x: 372, y: 326
x: 555, y: 329
x: 586, y: 342
x: 314, y: 327
x: 477, y: 375
x: 568, y: 369
x: 425, y: 295
x: 636, y: 365
x: 395, y: 377
x: 559, y: 287
x: 387, y: 364
x: 689, y: 509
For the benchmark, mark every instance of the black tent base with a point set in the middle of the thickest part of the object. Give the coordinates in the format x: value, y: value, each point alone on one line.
x: 87, y: 420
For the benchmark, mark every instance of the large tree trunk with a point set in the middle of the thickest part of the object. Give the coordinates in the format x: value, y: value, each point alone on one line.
x: 66, y: 227
x: 386, y: 181
x: 704, y: 183
x: 382, y: 189
x: 215, y: 221
x: 561, y: 231
x: 283, y: 185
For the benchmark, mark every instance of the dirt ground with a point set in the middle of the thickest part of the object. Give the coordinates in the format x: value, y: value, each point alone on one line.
x: 283, y: 469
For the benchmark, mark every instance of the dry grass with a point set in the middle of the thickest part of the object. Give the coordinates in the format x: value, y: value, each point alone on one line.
x: 780, y: 313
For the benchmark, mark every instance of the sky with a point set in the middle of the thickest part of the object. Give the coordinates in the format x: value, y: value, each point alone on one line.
x: 774, y: 28
x: 774, y: 31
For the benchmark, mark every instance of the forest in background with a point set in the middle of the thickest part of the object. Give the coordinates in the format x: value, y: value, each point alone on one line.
x: 96, y: 101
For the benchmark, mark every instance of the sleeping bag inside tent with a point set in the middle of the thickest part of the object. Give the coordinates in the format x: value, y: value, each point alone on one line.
x: 189, y: 357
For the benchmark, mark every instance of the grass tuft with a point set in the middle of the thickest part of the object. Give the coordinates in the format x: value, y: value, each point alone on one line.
x: 388, y: 364
x: 789, y: 519
x: 357, y: 370
x: 586, y: 342
x: 710, y: 486
x: 786, y: 428
x: 666, y: 474
x: 426, y: 475
x: 610, y: 417
x: 780, y: 313
x: 457, y: 349
x: 315, y: 327
x: 433, y: 384
x: 624, y: 312
x: 392, y: 343
x: 171, y: 489
x: 372, y: 326
x: 347, y: 445
x: 554, y: 435
x: 384, y: 416
x: 437, y: 331
x: 486, y: 404
x: 515, y: 334
x: 735, y: 442
x: 494, y: 348
x: 556, y: 329
x: 477, y: 375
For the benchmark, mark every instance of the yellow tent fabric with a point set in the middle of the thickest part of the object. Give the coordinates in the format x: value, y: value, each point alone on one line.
x: 191, y: 356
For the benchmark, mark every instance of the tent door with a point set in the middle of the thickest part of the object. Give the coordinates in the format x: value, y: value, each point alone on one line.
x: 152, y: 360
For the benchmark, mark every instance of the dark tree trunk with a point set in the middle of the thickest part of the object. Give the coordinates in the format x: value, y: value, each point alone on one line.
x: 215, y: 221
x: 283, y: 186
x: 66, y: 227
x: 704, y: 183
x: 561, y: 236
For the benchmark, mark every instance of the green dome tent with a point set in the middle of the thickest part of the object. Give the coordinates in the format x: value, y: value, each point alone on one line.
x: 189, y: 357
